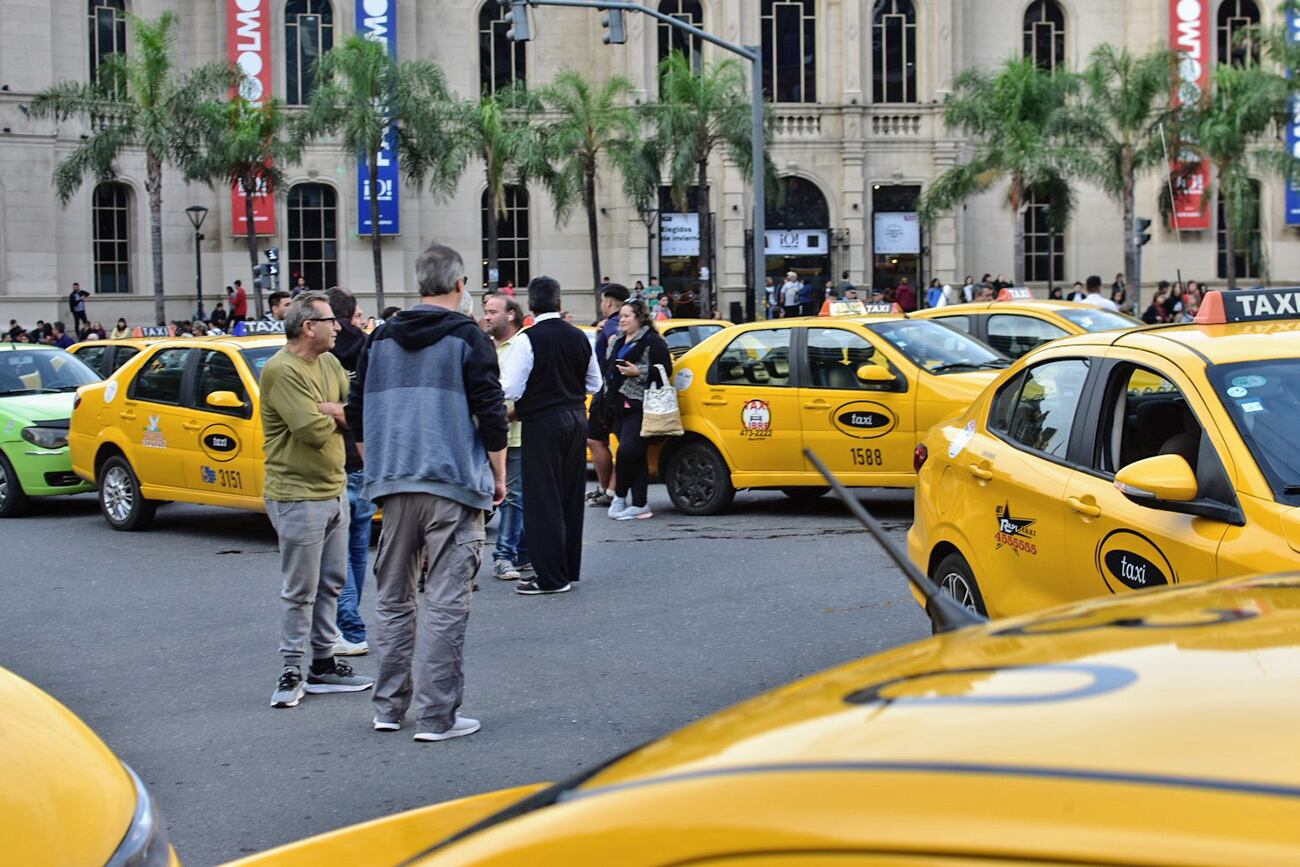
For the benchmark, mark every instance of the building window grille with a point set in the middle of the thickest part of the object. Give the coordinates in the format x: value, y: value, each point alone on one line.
x: 893, y: 51
x: 1044, y: 248
x: 107, y: 28
x: 111, y: 225
x: 1236, y: 18
x: 512, y: 238
x: 790, y: 50
x: 313, y: 236
x: 308, y: 33
x: 501, y: 61
x: 1045, y: 34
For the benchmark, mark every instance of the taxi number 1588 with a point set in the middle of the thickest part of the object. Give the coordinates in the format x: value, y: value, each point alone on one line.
x: 866, y: 457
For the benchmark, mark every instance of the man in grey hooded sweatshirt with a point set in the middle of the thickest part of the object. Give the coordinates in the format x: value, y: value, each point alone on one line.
x: 430, y: 421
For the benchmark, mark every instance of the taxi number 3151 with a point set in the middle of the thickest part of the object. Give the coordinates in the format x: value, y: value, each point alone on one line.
x: 866, y: 457
x: 229, y: 479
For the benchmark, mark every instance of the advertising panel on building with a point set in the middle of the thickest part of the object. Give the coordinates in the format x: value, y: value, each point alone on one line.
x: 377, y: 21
x: 679, y: 234
x: 1189, y: 33
x: 248, y: 46
x: 896, y: 233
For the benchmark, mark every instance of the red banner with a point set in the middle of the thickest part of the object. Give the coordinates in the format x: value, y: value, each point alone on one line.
x: 248, y: 46
x: 1189, y: 34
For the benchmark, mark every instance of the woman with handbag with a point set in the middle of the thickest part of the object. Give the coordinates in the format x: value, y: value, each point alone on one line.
x: 638, y: 360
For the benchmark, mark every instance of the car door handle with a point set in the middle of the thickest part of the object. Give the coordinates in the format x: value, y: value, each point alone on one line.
x: 126, y: 416
x: 982, y: 473
x: 192, y: 425
x: 817, y: 404
x: 1083, y: 507
x: 715, y: 400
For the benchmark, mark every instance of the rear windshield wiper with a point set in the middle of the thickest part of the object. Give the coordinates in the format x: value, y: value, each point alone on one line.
x: 968, y: 365
x: 29, y: 391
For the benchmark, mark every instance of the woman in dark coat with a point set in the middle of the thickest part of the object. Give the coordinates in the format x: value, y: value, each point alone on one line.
x: 629, y: 371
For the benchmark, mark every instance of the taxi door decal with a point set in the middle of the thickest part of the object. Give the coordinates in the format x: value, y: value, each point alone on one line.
x: 864, y: 419
x: 1132, y: 561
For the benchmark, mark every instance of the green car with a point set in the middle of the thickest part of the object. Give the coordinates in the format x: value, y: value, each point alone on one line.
x: 37, y: 387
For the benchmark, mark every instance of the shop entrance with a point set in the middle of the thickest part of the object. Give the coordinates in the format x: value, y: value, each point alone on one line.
x: 799, y: 237
x: 895, y: 236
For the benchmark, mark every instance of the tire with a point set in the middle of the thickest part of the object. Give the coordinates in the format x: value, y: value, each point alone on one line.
x: 955, y: 578
x: 698, y: 480
x: 13, y: 499
x: 806, y: 495
x: 120, y: 499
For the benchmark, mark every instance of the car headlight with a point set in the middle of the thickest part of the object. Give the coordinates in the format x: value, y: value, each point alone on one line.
x: 145, y: 843
x: 46, y: 437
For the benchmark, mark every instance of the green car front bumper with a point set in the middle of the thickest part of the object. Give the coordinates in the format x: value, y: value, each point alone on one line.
x: 43, y: 472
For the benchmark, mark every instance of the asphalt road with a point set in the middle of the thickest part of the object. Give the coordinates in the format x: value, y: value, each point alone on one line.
x: 165, y: 643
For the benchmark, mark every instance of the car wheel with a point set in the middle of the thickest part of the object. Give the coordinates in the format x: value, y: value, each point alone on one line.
x: 955, y: 578
x: 124, y: 507
x: 698, y: 480
x: 806, y: 495
x: 13, y: 499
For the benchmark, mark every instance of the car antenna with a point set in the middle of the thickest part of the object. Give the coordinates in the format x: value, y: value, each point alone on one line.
x: 945, y: 614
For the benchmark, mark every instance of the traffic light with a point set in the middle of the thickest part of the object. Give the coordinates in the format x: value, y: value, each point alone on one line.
x: 260, y: 275
x: 612, y: 21
x: 1140, y: 233
x: 520, y: 28
x: 272, y: 254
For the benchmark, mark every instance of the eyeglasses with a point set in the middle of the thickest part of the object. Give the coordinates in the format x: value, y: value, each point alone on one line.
x: 333, y: 319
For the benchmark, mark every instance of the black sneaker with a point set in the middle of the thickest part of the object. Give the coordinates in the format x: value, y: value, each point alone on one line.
x: 339, y: 678
x: 288, y: 692
x: 531, y: 588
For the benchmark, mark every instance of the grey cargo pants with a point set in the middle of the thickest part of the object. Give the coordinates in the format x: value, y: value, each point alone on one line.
x: 314, y: 559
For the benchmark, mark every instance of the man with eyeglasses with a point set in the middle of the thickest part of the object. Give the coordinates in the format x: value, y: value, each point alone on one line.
x: 304, y: 388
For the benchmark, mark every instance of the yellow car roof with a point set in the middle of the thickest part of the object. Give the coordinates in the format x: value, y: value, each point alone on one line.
x: 1044, y: 306
x: 664, y: 324
x: 137, y: 342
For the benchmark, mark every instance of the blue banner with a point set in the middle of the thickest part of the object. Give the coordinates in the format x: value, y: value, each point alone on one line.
x: 377, y: 20
x: 1293, y: 129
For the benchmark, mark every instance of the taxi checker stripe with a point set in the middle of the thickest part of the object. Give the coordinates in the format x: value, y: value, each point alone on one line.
x: 1236, y: 787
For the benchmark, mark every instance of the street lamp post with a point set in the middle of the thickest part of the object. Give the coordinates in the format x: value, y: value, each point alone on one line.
x: 197, y: 214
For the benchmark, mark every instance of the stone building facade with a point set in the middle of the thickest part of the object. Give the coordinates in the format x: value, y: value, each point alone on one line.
x: 858, y: 85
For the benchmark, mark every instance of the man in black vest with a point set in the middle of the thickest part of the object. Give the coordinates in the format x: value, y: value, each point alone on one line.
x: 548, y: 373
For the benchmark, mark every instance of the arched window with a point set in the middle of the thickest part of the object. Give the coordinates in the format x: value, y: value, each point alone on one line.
x: 512, y: 238
x: 501, y: 62
x: 802, y: 207
x: 107, y: 31
x: 1045, y: 34
x: 313, y: 236
x: 1248, y: 253
x: 893, y: 51
x: 1044, y: 248
x: 671, y: 39
x: 1235, y: 17
x: 308, y: 33
x: 790, y: 50
x: 110, y: 219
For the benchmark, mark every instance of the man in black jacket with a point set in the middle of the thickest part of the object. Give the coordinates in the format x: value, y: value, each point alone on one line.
x: 347, y: 347
x: 548, y: 373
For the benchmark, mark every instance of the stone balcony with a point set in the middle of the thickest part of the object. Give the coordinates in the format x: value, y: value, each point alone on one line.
x: 799, y: 124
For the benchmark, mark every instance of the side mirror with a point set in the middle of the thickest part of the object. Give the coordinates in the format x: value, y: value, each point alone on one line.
x: 874, y: 374
x: 225, y: 400
x: 1167, y: 478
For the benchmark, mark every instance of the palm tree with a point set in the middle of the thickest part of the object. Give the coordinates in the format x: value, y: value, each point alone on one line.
x: 698, y: 112
x: 246, y: 147
x: 138, y: 100
x: 1127, y: 100
x: 587, y: 123
x: 1017, y: 122
x: 363, y: 94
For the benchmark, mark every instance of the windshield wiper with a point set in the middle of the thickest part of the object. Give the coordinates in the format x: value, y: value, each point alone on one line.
x: 968, y: 365
x: 29, y: 391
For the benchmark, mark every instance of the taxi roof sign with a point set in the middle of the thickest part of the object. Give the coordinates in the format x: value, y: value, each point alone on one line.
x: 1248, y: 305
x: 153, y: 331
x: 258, y: 326
x: 1015, y: 293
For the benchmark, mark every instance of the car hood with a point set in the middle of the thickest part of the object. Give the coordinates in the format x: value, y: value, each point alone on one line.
x: 25, y: 409
x: 64, y: 797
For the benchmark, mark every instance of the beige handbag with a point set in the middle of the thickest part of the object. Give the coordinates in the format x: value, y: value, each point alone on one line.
x: 662, y: 416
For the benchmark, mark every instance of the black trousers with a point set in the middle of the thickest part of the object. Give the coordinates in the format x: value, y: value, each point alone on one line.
x: 555, y: 475
x: 632, y: 472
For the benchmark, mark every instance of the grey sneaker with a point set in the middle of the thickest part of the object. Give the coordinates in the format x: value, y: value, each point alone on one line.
x: 632, y: 513
x: 463, y: 726
x: 341, y: 679
x: 385, y: 725
x: 616, y: 507
x: 288, y: 692
x: 504, y: 570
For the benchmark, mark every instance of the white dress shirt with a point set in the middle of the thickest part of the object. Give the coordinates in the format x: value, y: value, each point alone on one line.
x: 518, y: 364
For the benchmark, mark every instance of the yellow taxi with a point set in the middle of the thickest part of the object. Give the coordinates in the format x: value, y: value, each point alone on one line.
x: 65, y: 798
x: 178, y: 422
x: 106, y: 356
x: 681, y: 335
x: 858, y: 390
x: 1143, y: 730
x: 1119, y: 461
x: 1016, y: 323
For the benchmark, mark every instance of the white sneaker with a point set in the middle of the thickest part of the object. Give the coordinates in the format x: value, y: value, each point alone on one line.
x: 463, y: 726
x: 385, y: 726
x: 616, y: 507
x: 343, y: 647
x: 632, y: 513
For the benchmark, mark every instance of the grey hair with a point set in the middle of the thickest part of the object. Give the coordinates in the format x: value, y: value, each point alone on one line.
x: 300, y: 310
x: 438, y: 269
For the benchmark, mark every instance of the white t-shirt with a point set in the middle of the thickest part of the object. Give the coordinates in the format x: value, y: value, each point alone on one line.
x: 790, y: 293
x: 1096, y: 299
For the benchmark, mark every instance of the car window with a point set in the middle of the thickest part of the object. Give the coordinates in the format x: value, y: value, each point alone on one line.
x: 1099, y: 319
x: 834, y: 356
x: 1037, y: 408
x: 93, y: 356
x: 1263, y: 400
x: 935, y: 348
x: 756, y: 358
x: 123, y: 355
x: 257, y: 358
x: 1015, y: 335
x: 678, y: 341
x: 40, y: 370
x: 1145, y: 415
x: 217, y: 373
x: 159, y: 380
x: 961, y: 323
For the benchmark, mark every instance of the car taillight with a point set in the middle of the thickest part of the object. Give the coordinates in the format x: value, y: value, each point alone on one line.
x: 919, y: 454
x: 76, y: 401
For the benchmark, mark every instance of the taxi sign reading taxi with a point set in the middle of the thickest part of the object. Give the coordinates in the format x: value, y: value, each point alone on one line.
x: 1249, y: 305
x: 1015, y: 293
x: 258, y: 326
x: 152, y: 331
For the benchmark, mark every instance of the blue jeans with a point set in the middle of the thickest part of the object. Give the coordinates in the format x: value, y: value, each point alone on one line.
x: 512, y: 543
x: 362, y: 510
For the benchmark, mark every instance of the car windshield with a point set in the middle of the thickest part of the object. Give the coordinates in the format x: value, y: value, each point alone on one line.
x: 42, y: 371
x: 1099, y: 320
x: 1263, y: 399
x: 258, y: 357
x: 936, y: 348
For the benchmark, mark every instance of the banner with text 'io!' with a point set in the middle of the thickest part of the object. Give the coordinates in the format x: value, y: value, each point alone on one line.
x: 1189, y: 34
x: 248, y: 46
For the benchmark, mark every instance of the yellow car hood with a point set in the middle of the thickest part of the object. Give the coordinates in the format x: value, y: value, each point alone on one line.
x: 64, y: 797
